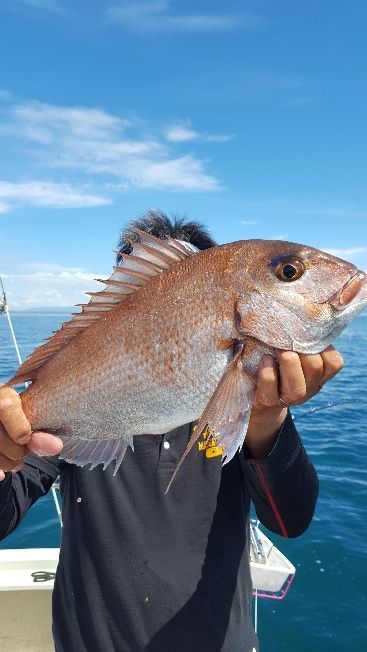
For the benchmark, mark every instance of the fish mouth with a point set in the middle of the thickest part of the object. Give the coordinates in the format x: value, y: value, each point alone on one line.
x: 354, y: 291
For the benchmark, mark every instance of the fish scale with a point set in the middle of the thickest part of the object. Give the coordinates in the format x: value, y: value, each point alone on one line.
x: 138, y: 363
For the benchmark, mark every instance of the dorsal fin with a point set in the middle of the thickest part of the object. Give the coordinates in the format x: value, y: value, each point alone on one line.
x: 149, y: 257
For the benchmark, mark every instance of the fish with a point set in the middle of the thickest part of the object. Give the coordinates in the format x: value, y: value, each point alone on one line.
x: 176, y: 336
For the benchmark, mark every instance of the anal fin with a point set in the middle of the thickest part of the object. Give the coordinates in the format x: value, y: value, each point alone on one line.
x: 94, y: 452
x: 227, y: 413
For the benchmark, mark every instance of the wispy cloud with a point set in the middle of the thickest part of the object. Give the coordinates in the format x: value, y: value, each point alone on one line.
x: 43, y: 284
x: 53, y: 195
x: 47, y: 123
x: 249, y: 222
x: 159, y: 15
x: 183, y: 133
x: 123, y: 153
x: 184, y: 173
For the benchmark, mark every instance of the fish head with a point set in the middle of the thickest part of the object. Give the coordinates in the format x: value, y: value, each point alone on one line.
x: 295, y: 297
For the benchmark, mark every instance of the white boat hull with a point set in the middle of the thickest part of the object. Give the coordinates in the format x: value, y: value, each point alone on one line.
x: 25, y: 605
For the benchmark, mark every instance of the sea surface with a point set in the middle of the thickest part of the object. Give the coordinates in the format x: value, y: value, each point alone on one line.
x: 326, y: 607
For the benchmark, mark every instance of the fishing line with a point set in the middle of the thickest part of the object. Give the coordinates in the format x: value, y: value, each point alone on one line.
x: 329, y: 405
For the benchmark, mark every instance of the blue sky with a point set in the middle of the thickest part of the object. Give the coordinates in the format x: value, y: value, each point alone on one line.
x: 247, y: 115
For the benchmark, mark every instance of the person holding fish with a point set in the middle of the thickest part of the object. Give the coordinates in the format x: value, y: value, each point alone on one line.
x: 192, y: 353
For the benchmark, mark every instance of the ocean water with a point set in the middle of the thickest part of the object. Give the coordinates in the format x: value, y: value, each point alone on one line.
x: 326, y: 607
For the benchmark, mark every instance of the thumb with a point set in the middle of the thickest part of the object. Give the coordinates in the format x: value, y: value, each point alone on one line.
x: 43, y: 443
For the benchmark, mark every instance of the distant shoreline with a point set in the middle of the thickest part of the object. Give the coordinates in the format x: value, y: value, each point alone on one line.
x: 40, y: 312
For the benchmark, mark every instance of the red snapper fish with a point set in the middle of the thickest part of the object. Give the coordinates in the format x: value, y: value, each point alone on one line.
x: 177, y: 335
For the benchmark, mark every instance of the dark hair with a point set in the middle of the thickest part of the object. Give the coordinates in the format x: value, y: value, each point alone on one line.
x: 161, y: 226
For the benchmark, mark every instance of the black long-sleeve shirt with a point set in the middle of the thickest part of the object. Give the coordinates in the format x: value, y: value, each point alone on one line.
x: 143, y: 571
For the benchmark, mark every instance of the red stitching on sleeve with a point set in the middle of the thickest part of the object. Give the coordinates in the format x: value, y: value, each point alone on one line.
x: 271, y: 500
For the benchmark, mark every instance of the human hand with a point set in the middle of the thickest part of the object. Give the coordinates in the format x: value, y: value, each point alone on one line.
x: 294, y: 380
x: 16, y: 437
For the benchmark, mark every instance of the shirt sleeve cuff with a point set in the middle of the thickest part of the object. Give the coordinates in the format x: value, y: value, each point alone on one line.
x: 51, y: 466
x: 6, y: 483
x: 284, y: 451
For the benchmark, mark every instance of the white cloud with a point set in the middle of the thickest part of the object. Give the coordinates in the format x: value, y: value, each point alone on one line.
x: 249, y: 222
x: 93, y: 142
x: 180, y: 133
x: 185, y: 173
x: 46, y: 123
x: 49, y: 285
x: 41, y: 193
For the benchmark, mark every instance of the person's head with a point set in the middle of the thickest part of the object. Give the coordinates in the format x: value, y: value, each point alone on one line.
x: 161, y: 226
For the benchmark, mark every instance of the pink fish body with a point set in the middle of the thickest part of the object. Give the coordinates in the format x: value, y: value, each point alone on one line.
x: 177, y: 335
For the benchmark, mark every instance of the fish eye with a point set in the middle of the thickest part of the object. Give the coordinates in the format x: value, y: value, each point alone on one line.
x: 289, y: 270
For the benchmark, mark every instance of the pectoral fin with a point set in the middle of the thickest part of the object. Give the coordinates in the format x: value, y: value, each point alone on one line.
x: 227, y: 413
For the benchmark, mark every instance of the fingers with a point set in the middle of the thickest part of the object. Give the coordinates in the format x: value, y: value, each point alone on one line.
x: 42, y: 443
x: 293, y: 388
x: 267, y: 392
x: 296, y: 378
x: 320, y: 368
x: 16, y: 437
x: 12, y: 416
x: 9, y: 448
x: 287, y: 383
x: 333, y: 363
x: 15, y: 430
x: 11, y: 456
x: 7, y: 464
x: 313, y: 370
